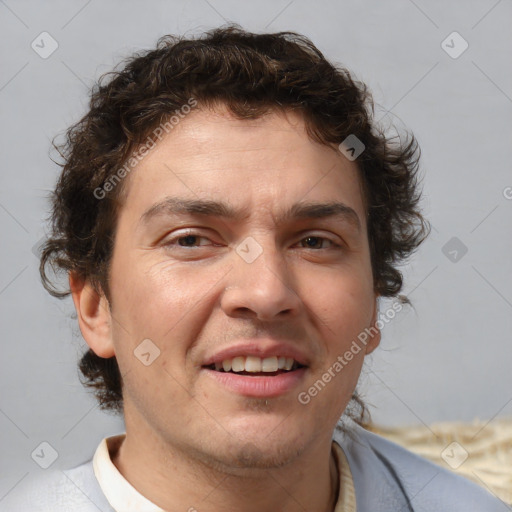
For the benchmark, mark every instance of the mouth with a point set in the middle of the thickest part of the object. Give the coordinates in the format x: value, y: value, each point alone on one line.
x: 256, y: 366
x: 257, y: 377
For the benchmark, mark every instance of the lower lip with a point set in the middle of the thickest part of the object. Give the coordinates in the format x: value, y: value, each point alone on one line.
x: 259, y: 386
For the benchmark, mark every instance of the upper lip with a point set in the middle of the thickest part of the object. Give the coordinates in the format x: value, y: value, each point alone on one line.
x: 258, y: 348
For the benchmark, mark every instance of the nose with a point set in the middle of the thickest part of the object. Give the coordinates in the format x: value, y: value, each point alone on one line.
x: 262, y: 289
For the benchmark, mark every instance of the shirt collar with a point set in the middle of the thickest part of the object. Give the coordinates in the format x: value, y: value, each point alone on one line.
x: 347, y: 494
x: 123, y: 497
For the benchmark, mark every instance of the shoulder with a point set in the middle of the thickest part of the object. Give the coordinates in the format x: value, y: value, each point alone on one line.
x: 57, y: 491
x: 384, y: 469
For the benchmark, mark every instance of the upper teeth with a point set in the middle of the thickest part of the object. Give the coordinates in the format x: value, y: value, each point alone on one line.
x: 255, y: 364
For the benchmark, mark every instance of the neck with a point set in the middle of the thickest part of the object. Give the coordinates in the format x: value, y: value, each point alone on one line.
x: 174, y: 479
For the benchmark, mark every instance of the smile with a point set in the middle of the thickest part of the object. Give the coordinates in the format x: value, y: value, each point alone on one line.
x: 252, y: 365
x: 256, y: 377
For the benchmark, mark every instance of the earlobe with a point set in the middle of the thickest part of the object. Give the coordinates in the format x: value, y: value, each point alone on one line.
x: 94, y: 316
x: 375, y: 334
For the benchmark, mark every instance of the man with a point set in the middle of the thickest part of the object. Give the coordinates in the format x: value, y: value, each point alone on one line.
x: 229, y: 216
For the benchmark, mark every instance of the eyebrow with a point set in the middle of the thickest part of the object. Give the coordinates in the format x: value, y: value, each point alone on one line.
x: 181, y: 206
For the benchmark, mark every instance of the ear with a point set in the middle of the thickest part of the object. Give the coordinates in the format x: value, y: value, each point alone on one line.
x: 94, y: 316
x: 375, y: 335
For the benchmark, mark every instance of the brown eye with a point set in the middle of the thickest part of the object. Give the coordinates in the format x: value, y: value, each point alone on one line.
x: 315, y: 242
x: 187, y: 240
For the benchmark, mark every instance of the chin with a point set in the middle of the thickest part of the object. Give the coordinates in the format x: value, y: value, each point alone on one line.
x: 262, y: 454
x: 264, y: 445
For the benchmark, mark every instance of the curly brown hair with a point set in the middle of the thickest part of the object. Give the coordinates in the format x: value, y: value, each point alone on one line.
x: 251, y: 74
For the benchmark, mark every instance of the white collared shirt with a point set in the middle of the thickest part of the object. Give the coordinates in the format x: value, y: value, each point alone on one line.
x: 123, y: 497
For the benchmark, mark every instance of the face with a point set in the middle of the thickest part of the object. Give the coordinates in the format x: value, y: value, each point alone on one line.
x: 243, y: 245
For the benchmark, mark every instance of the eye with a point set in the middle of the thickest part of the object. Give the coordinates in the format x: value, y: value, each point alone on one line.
x: 314, y: 242
x: 189, y: 239
x: 192, y: 239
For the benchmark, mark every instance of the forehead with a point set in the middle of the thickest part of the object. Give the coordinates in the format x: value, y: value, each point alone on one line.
x: 265, y: 163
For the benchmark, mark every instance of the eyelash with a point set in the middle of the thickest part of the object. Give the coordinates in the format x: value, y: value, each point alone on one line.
x: 172, y: 242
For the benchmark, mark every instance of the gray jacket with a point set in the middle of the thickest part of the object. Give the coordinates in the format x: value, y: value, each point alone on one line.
x: 387, y: 478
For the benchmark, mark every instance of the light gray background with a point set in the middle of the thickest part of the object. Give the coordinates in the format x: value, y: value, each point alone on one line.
x: 448, y: 359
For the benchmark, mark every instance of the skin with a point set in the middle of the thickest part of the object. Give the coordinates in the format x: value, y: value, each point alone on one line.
x: 191, y: 442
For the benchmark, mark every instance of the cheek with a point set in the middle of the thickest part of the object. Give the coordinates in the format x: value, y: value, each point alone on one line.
x: 164, y: 302
x: 344, y: 302
x: 152, y: 297
x: 344, y: 307
x: 155, y: 313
